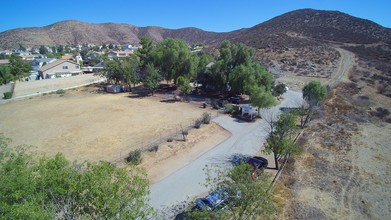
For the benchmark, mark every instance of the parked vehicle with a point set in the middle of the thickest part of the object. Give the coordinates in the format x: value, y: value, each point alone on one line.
x: 216, y: 201
x: 258, y: 163
x: 235, y: 100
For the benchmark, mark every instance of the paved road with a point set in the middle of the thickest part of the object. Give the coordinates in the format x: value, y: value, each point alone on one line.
x: 246, y: 138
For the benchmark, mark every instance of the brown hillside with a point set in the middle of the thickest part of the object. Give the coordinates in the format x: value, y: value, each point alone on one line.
x: 76, y: 32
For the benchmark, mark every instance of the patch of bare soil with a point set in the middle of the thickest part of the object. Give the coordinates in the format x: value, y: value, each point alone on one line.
x: 344, y: 169
x: 84, y: 125
x: 172, y: 156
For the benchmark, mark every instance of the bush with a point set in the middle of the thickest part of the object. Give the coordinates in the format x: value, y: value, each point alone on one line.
x: 153, y: 148
x: 134, y: 157
x: 198, y: 123
x: 170, y: 139
x: 228, y: 109
x: 60, y: 92
x: 7, y: 95
x: 206, y: 118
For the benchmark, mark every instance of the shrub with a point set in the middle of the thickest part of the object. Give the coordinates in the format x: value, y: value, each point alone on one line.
x: 228, y: 109
x: 60, y: 92
x: 134, y: 157
x: 170, y: 139
x: 382, y: 112
x: 184, y: 134
x: 153, y: 148
x: 206, y: 118
x: 198, y: 123
x: 7, y: 95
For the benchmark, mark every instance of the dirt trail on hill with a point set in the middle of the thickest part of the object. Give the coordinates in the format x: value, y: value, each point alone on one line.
x: 345, y: 65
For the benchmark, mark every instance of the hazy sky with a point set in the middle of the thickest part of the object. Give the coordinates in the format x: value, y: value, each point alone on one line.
x: 211, y: 15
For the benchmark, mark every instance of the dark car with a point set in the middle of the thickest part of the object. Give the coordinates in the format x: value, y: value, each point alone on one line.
x: 258, y: 163
x: 235, y: 100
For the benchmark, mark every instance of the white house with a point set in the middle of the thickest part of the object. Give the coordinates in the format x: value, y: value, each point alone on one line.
x: 59, y: 68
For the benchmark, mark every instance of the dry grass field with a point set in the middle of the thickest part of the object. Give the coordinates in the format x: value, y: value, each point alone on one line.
x: 85, y: 125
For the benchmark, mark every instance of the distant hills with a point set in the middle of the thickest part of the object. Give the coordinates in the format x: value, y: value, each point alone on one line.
x: 72, y: 32
x: 300, y: 27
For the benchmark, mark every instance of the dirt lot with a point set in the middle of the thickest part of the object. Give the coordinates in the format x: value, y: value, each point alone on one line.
x: 84, y: 125
x: 344, y: 169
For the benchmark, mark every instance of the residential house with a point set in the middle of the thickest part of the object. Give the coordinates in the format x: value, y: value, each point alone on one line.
x: 38, y: 63
x: 59, y: 68
x: 4, y: 61
x: 6, y: 52
x: 119, y: 54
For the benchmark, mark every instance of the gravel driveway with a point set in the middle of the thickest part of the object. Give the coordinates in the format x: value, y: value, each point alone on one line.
x: 188, y: 182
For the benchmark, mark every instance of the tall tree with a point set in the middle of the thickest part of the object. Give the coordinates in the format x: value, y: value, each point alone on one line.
x: 236, y: 71
x: 314, y: 93
x: 56, y: 188
x: 151, y: 78
x: 174, y: 59
x: 261, y: 98
x: 130, y: 67
x: 42, y: 49
x: 18, y: 67
x: 145, y: 52
x: 281, y: 138
x: 5, y: 74
x: 184, y: 85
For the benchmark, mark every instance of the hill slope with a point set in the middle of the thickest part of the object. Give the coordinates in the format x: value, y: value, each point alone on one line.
x: 76, y: 32
x: 296, y: 28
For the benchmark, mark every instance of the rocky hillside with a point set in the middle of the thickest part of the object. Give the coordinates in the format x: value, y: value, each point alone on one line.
x: 76, y: 32
x: 308, y: 27
x: 294, y: 29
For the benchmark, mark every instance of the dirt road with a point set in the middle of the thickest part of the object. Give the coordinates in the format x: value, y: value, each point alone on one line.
x: 344, y: 66
x: 246, y: 138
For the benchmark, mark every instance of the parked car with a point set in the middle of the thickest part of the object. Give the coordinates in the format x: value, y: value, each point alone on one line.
x: 235, y: 100
x: 258, y: 163
x: 216, y: 201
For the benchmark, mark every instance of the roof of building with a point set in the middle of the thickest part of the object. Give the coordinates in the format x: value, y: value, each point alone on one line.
x: 5, y: 61
x: 55, y: 63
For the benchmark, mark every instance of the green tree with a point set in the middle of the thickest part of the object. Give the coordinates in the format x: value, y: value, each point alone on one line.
x: 18, y: 67
x: 184, y: 85
x: 60, y: 49
x: 174, y: 59
x: 121, y: 70
x: 5, y: 74
x: 145, y: 52
x: 55, y: 188
x: 314, y: 93
x: 151, y: 78
x: 42, y: 49
x: 261, y: 98
x: 202, y: 75
x: 236, y: 71
x: 248, y: 198
x: 111, y: 46
x: 281, y: 138
x: 279, y: 89
x: 130, y: 66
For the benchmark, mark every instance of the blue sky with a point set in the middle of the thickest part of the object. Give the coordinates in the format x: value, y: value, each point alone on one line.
x: 212, y: 15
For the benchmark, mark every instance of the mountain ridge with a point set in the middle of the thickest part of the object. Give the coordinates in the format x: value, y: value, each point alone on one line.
x: 303, y: 26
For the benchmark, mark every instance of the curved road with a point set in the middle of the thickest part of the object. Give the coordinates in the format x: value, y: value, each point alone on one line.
x: 345, y: 65
x: 188, y: 182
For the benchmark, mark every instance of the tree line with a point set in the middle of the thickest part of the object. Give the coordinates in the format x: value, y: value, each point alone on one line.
x: 234, y: 71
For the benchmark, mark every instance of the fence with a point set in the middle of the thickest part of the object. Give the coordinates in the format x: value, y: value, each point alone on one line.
x: 173, y: 134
